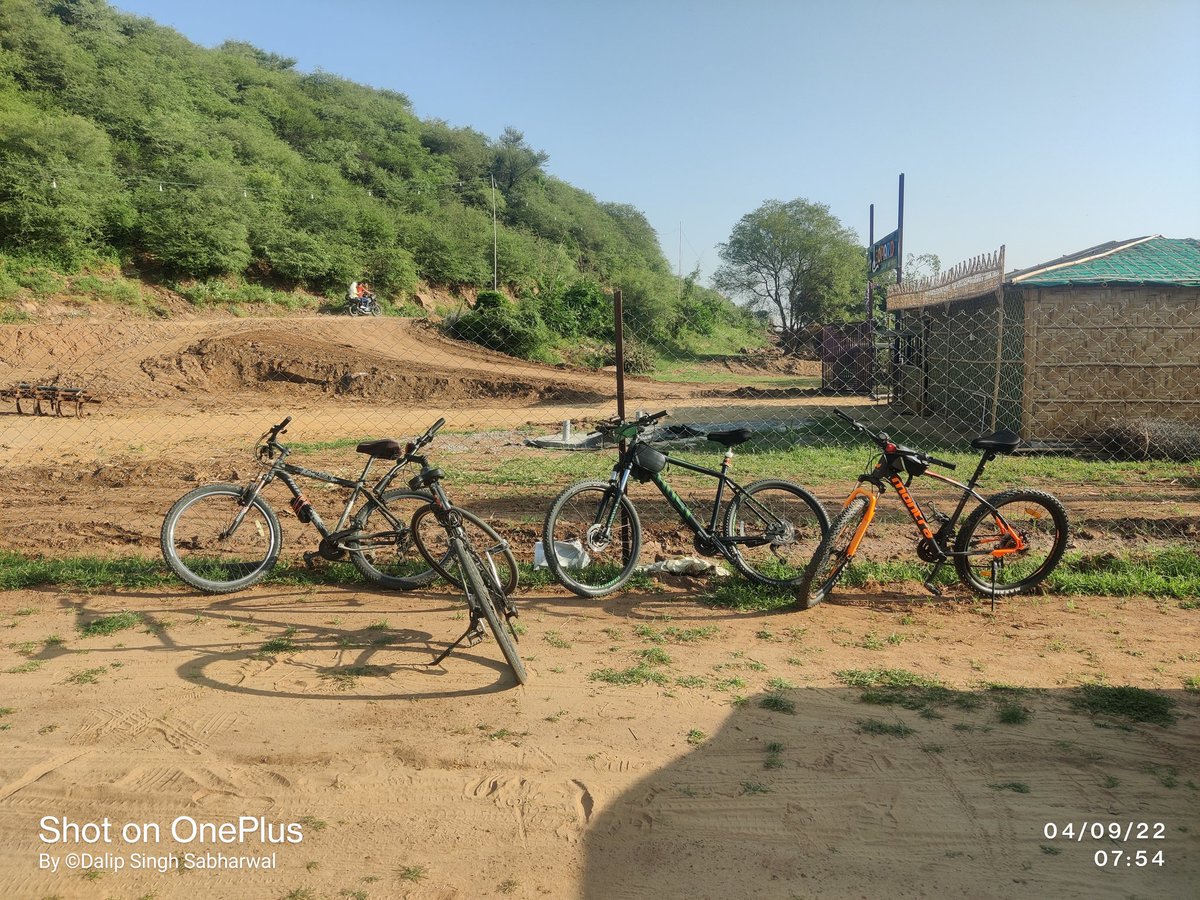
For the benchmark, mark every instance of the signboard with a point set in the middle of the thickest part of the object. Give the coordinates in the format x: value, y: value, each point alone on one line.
x: 885, y: 253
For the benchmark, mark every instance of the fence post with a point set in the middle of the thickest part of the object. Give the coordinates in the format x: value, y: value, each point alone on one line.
x: 619, y: 330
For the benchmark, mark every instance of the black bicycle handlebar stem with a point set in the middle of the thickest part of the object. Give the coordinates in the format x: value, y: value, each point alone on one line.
x: 885, y: 443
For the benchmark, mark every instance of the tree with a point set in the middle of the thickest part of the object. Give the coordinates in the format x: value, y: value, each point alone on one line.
x: 796, y: 260
x: 513, y: 158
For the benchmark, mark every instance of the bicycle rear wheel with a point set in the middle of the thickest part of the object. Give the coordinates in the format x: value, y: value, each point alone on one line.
x: 597, y: 560
x: 218, y: 544
x: 434, y: 545
x: 388, y: 554
x: 481, y: 599
x: 773, y: 528
x: 832, y: 555
x: 1040, y: 521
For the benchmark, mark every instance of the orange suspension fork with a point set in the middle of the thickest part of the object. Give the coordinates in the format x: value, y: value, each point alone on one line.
x: 861, y: 531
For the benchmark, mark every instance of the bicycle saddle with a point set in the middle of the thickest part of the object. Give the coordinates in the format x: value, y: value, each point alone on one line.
x: 386, y: 449
x: 1003, y: 441
x: 730, y: 438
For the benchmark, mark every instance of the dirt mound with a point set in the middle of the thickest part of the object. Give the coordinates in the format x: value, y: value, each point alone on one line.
x: 274, y: 362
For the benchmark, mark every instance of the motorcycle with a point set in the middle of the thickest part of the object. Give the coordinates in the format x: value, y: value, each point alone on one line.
x: 366, y: 305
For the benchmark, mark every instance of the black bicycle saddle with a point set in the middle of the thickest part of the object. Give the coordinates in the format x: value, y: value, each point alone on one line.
x: 730, y: 438
x: 386, y: 449
x: 1003, y: 441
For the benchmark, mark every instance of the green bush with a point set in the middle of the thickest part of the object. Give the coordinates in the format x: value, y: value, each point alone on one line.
x: 41, y: 282
x: 489, y: 299
x: 517, y: 332
x: 116, y: 290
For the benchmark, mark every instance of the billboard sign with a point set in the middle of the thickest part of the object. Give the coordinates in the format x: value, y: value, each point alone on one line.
x: 885, y: 253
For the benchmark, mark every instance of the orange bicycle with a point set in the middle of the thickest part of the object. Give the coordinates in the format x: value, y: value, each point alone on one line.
x: 1007, y: 545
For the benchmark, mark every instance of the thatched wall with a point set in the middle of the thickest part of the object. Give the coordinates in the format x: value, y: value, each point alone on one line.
x: 1099, y: 354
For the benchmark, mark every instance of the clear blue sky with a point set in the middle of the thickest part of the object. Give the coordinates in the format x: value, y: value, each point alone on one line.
x: 1045, y: 126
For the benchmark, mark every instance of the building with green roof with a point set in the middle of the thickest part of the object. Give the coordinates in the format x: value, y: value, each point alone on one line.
x: 1058, y: 352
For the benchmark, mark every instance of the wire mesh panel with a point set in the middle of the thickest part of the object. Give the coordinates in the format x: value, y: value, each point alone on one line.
x: 121, y: 411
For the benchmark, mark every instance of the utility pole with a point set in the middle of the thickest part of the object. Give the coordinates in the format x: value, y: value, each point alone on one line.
x: 495, y: 264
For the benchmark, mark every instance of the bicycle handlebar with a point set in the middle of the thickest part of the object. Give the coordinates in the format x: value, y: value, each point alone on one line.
x: 426, y: 438
x: 885, y: 443
x: 642, y: 421
x: 269, y: 442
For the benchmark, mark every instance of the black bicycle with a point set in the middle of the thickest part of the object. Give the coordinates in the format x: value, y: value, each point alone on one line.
x: 592, y: 534
x: 225, y: 537
x: 458, y: 560
x: 1008, y: 544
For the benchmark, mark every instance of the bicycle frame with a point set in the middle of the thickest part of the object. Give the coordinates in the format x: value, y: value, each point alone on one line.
x: 877, y: 479
x: 284, y: 471
x: 624, y: 468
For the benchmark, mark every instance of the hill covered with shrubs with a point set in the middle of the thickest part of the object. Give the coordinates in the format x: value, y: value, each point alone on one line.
x: 228, y: 174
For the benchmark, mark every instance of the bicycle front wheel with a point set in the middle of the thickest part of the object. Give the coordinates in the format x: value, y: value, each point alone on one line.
x: 217, y: 543
x: 586, y: 554
x: 832, y: 555
x: 987, y: 536
x: 772, y: 529
x: 387, y: 551
x: 483, y: 600
x: 434, y: 545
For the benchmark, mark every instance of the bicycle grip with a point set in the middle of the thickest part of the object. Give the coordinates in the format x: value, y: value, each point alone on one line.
x: 844, y: 416
x: 282, y: 425
x: 941, y: 462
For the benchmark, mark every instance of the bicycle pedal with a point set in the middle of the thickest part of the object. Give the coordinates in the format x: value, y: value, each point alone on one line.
x: 310, y: 559
x: 474, y: 636
x: 932, y: 588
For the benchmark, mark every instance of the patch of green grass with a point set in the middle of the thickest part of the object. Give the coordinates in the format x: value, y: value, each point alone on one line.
x: 639, y: 674
x: 887, y: 687
x: 777, y: 702
x: 86, y: 676
x: 345, y: 678
x: 1017, y: 787
x: 774, y: 758
x: 18, y: 572
x: 696, y: 736
x: 654, y: 656
x: 878, y: 726
x: 275, y: 645
x: 110, y: 624
x: 1013, y: 714
x: 753, y: 787
x: 1172, y: 572
x: 1132, y: 703
x: 742, y: 594
x: 555, y: 640
x: 30, y: 665
x: 412, y: 873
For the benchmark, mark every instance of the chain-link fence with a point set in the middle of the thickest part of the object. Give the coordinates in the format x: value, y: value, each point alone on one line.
x: 108, y: 416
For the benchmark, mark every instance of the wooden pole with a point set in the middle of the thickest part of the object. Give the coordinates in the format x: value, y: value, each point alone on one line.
x: 999, y: 341
x: 619, y: 330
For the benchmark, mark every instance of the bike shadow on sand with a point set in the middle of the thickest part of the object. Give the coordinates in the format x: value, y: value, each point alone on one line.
x: 300, y: 636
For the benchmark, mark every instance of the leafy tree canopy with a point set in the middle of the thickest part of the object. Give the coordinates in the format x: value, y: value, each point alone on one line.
x: 797, y: 261
x: 227, y: 161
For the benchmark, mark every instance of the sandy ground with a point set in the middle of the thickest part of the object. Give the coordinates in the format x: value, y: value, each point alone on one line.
x: 452, y: 782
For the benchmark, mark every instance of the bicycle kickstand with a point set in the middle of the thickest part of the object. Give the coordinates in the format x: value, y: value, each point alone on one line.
x: 472, y: 636
x: 929, y: 584
x: 993, y: 587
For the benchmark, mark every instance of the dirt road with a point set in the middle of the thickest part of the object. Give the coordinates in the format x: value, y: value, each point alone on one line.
x: 743, y: 765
